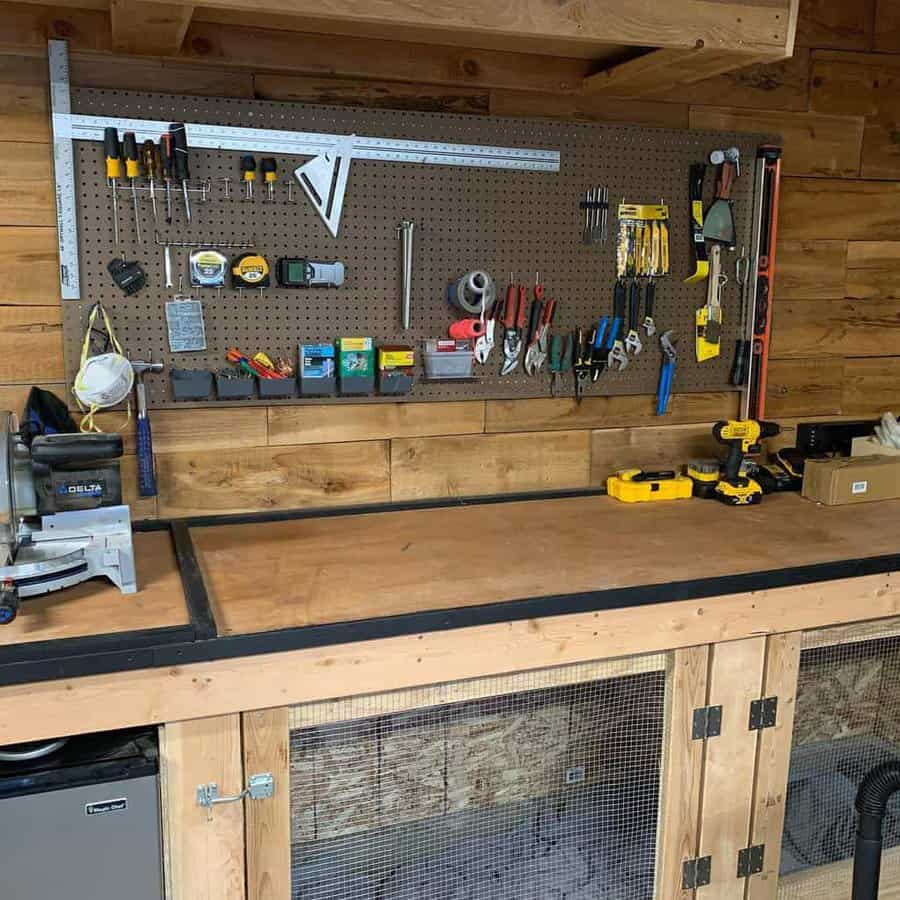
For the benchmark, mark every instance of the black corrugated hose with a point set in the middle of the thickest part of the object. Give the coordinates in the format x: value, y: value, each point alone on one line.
x: 871, y: 803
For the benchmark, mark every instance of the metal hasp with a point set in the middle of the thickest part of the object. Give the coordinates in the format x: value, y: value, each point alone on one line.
x: 259, y: 787
x: 696, y: 873
x: 64, y: 170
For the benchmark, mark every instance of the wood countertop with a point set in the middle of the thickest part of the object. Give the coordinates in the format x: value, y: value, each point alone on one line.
x: 98, y: 608
x: 317, y: 581
x: 318, y: 571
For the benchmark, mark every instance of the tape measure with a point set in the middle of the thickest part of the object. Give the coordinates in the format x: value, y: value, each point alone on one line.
x: 249, y: 270
x: 208, y: 268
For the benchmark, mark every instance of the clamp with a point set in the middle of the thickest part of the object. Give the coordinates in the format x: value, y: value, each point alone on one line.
x: 667, y: 374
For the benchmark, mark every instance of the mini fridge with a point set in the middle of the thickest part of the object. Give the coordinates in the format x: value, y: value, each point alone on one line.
x: 83, y: 821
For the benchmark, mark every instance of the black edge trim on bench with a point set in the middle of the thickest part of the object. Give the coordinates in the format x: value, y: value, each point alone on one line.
x: 195, y: 593
x: 337, y: 512
x: 174, y: 654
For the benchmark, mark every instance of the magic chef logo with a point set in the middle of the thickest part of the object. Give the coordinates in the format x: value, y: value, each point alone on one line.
x: 106, y: 806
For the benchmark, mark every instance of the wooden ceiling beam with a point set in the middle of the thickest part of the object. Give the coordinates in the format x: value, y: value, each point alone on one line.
x: 156, y: 29
x: 739, y: 25
x: 660, y: 71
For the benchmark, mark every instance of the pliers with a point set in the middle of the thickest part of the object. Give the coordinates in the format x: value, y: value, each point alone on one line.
x: 485, y: 342
x: 514, y: 323
x: 536, y: 354
x: 667, y: 374
x: 561, y: 355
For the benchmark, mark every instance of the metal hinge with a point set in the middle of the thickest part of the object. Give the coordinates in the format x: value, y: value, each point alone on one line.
x: 259, y: 787
x: 763, y: 713
x: 750, y: 860
x: 696, y: 873
x: 707, y: 723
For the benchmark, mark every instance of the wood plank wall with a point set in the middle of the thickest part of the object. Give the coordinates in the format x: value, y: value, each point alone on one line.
x: 837, y: 297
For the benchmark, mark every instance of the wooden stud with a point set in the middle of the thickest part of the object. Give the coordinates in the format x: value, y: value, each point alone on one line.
x: 369, y: 422
x: 32, y: 276
x: 811, y: 270
x: 836, y: 24
x: 657, y: 71
x: 822, y: 328
x: 678, y: 828
x: 267, y: 749
x: 204, y: 851
x: 814, y: 144
x: 735, y: 679
x: 26, y: 184
x: 31, y: 344
x: 773, y: 761
x: 804, y: 387
x: 443, y: 466
x: 151, y: 28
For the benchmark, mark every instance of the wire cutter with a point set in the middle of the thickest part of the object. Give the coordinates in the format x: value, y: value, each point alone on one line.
x: 514, y: 324
x: 536, y: 354
x: 667, y: 374
x: 561, y: 355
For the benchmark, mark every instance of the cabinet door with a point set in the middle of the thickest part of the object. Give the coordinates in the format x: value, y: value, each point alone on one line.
x: 579, y: 778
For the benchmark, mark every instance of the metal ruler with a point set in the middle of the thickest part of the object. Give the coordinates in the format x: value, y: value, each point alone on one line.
x: 303, y: 143
x: 64, y: 171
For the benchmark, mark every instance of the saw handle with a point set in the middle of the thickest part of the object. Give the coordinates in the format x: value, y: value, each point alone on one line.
x: 62, y: 449
x: 146, y: 473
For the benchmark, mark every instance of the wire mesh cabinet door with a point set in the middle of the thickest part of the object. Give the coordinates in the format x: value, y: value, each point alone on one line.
x: 847, y: 721
x: 573, y: 781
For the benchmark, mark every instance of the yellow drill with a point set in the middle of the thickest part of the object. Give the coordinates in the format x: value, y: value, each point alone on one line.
x: 741, y: 438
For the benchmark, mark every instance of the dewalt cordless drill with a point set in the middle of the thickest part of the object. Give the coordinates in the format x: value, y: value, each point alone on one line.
x: 741, y: 438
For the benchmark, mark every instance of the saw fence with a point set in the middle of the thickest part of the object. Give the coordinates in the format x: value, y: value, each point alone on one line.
x: 505, y: 222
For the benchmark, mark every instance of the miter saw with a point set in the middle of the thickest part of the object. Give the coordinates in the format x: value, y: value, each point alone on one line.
x: 61, y: 515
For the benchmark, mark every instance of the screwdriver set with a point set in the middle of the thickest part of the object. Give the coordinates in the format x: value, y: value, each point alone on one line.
x: 465, y: 281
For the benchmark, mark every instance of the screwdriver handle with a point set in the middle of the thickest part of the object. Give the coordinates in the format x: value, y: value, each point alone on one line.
x: 129, y: 146
x: 269, y: 168
x: 112, y: 153
x: 168, y: 155
x: 150, y: 160
x: 178, y: 135
x: 248, y: 168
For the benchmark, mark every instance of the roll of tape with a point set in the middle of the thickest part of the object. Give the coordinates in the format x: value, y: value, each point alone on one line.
x: 472, y: 291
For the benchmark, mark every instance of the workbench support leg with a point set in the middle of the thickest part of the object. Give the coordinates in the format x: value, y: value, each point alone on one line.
x: 774, y: 757
x: 267, y: 749
x: 203, y: 850
x: 735, y: 681
x: 679, y: 805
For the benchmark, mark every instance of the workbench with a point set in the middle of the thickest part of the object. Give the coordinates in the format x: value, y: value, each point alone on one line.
x: 237, y: 621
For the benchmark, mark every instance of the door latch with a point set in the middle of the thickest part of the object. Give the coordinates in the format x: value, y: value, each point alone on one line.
x: 259, y: 787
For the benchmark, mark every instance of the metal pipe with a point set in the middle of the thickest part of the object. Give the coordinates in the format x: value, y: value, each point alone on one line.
x: 406, y: 230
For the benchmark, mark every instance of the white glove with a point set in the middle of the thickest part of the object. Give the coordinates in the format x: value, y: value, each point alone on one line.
x: 888, y: 432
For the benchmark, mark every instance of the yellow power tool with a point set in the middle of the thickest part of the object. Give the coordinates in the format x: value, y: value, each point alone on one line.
x: 741, y: 438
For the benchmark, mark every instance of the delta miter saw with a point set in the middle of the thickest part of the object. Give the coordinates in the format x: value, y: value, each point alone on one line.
x: 61, y: 515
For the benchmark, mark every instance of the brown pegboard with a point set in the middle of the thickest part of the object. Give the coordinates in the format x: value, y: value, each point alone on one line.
x: 466, y: 218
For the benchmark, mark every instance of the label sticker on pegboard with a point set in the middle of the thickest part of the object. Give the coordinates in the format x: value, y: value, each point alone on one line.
x: 187, y: 331
x: 528, y: 224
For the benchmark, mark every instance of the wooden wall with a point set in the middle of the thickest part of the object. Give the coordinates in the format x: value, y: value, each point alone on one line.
x: 837, y: 309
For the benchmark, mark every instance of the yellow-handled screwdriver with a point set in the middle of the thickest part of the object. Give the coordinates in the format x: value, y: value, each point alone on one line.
x: 269, y: 168
x: 248, y: 173
x: 153, y: 169
x: 132, y: 173
x: 113, y: 173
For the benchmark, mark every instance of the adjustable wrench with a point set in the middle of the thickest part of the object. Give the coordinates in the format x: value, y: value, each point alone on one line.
x: 632, y: 340
x: 616, y: 357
